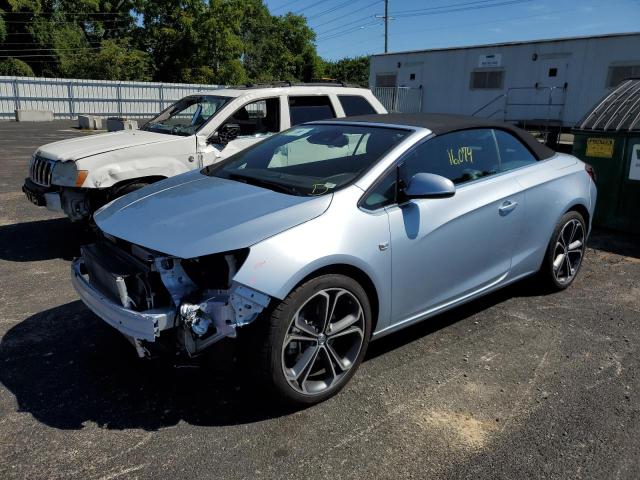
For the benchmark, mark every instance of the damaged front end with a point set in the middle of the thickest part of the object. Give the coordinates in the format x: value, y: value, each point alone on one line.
x: 192, y: 303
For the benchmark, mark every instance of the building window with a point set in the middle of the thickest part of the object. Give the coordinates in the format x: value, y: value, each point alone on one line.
x: 487, y: 79
x: 618, y: 73
x: 386, y: 80
x: 412, y: 76
x: 553, y: 72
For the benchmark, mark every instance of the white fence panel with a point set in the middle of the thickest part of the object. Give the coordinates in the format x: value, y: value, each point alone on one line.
x: 68, y: 98
x: 399, y: 99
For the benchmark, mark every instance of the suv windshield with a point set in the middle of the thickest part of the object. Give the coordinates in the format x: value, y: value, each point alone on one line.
x: 186, y: 116
x: 310, y: 160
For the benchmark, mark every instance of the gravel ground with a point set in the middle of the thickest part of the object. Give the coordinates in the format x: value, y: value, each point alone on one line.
x: 515, y: 385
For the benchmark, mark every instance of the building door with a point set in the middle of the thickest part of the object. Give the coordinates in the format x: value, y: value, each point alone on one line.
x: 551, y: 86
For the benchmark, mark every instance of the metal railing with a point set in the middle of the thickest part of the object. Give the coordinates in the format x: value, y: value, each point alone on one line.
x: 549, y: 103
x: 399, y: 99
x: 68, y: 98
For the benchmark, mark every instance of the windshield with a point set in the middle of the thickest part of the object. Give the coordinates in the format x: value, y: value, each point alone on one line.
x: 310, y: 160
x: 186, y: 116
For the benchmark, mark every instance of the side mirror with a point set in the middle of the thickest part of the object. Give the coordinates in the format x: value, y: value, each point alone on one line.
x: 226, y: 133
x: 429, y: 185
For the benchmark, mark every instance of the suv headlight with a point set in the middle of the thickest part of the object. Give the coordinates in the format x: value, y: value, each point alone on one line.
x: 66, y: 174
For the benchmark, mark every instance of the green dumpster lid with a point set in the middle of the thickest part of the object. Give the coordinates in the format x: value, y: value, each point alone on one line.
x: 618, y: 111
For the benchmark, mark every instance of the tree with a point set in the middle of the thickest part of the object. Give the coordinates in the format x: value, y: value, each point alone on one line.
x: 280, y: 48
x: 195, y: 41
x: 15, y: 67
x: 351, y: 70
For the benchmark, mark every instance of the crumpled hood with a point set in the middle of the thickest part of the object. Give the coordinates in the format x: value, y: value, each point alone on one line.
x: 191, y: 215
x: 85, y: 146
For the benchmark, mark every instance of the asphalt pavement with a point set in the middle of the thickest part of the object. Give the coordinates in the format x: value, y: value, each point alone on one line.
x: 518, y: 384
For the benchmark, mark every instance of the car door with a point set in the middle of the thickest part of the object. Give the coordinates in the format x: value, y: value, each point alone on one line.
x: 445, y: 250
x: 256, y: 120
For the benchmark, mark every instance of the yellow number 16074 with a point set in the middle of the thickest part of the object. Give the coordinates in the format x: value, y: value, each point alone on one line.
x: 465, y: 155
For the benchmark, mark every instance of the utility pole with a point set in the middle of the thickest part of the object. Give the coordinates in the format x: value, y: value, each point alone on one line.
x: 386, y: 26
x: 386, y: 19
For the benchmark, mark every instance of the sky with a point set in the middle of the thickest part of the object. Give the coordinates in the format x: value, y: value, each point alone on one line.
x: 350, y: 28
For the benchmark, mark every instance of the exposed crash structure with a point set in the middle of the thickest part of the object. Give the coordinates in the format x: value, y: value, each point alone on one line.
x: 144, y: 294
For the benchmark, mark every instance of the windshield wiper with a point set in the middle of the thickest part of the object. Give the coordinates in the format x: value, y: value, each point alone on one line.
x: 260, y: 182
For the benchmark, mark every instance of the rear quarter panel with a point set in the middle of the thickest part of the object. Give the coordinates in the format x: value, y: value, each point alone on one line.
x: 551, y: 187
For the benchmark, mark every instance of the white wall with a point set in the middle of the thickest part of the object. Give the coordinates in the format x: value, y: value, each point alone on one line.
x: 445, y: 75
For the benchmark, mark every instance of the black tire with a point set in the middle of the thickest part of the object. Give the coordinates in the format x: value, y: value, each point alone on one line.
x: 269, y: 338
x: 130, y: 187
x: 549, y: 275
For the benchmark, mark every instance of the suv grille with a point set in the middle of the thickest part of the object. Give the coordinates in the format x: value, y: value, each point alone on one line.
x: 40, y: 171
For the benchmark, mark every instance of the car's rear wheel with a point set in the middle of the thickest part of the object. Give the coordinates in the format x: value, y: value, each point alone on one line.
x: 565, y: 251
x: 315, y: 339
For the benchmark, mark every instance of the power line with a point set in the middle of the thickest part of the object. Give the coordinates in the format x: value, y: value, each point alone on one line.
x: 440, y: 7
x: 341, y: 17
x: 286, y: 5
x: 332, y: 9
x: 462, y: 9
x: 465, y: 6
x: 319, y: 2
x: 359, y: 27
x: 338, y: 27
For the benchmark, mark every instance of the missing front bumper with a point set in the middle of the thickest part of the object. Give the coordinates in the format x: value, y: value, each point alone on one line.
x: 145, y: 325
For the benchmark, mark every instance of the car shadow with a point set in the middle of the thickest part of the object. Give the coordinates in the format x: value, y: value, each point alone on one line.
x: 42, y: 240
x: 527, y: 287
x: 66, y: 367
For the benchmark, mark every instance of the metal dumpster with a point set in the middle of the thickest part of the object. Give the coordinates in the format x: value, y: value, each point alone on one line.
x: 609, y: 139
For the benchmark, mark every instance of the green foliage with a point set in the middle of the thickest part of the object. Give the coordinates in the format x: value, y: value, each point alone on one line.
x: 194, y: 41
x: 114, y: 61
x: 15, y: 67
x: 3, y: 28
x: 350, y: 70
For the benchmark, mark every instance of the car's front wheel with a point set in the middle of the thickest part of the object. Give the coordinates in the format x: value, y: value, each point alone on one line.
x: 315, y: 339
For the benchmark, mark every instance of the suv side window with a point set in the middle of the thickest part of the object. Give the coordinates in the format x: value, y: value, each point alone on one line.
x: 355, y: 105
x: 513, y: 154
x: 308, y: 109
x: 461, y: 156
x: 258, y: 118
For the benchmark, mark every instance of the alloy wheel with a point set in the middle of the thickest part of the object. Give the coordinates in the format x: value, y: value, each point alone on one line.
x: 568, y: 252
x: 323, y: 341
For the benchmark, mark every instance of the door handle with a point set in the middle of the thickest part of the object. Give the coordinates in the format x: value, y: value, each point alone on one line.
x: 507, y: 207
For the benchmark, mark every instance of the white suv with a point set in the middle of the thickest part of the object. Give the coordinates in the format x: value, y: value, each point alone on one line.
x: 79, y: 175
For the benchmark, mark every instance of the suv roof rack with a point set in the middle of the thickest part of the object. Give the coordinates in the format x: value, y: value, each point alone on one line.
x: 288, y: 83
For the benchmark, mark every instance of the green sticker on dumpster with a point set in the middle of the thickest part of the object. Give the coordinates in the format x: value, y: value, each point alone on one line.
x: 600, y: 147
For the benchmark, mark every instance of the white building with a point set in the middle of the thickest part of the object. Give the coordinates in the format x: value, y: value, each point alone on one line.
x: 545, y: 82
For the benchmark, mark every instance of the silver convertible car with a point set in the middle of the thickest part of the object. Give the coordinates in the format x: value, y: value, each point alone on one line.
x: 316, y: 241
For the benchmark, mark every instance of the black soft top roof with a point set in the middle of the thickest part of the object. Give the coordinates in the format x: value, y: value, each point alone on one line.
x: 440, y: 123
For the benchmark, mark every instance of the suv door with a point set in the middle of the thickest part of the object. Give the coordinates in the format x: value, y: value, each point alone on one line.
x: 444, y: 250
x: 307, y: 108
x: 255, y: 121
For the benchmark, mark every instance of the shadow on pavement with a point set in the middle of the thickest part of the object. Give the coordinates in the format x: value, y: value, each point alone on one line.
x: 66, y: 367
x: 527, y: 287
x: 615, y: 242
x: 42, y: 240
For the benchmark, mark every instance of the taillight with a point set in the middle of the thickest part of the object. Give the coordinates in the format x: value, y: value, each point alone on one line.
x: 590, y: 171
